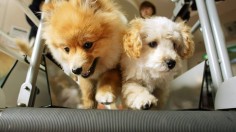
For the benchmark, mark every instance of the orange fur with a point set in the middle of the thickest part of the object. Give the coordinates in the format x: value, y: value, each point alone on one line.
x: 71, y: 25
x: 132, y: 39
x: 23, y: 47
x: 112, y: 76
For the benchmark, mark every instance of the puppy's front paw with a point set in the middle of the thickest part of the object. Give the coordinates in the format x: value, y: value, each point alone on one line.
x: 105, y: 97
x: 143, y: 102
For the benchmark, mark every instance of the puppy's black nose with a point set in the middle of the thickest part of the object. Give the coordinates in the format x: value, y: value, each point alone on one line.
x: 146, y: 106
x: 77, y: 71
x: 171, y: 63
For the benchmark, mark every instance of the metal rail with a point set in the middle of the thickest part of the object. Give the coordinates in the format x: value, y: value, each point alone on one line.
x: 26, y: 95
x: 209, y: 44
x: 219, y: 40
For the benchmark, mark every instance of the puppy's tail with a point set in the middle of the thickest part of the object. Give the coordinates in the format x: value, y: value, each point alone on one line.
x: 23, y: 47
x: 14, y: 47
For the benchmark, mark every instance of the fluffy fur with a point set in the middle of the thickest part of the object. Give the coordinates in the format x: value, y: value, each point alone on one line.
x: 154, y: 49
x: 85, y: 37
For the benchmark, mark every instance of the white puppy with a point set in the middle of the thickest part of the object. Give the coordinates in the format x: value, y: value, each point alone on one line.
x: 153, y: 49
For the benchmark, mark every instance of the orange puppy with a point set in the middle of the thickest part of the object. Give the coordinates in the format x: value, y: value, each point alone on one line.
x: 85, y: 37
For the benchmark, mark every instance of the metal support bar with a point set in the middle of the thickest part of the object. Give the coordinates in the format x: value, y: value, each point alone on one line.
x: 219, y: 40
x: 195, y: 27
x: 221, y: 71
x: 28, y: 12
x: 27, y: 91
x: 209, y: 44
x: 26, y: 95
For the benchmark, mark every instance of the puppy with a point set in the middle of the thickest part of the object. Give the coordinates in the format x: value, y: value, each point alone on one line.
x: 153, y: 50
x: 85, y: 38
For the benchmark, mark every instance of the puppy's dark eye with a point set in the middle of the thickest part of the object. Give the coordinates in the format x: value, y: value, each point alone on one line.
x: 152, y: 44
x: 87, y: 45
x: 67, y: 49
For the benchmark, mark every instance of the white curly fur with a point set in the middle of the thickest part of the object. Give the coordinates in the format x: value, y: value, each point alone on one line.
x: 145, y: 71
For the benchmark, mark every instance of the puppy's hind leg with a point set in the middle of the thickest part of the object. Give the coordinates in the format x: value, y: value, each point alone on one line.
x: 109, y: 87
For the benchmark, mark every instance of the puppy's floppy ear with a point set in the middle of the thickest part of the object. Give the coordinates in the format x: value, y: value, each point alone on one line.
x: 187, y: 48
x: 132, y: 41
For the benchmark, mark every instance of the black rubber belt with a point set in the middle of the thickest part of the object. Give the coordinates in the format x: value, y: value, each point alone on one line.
x: 75, y: 120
